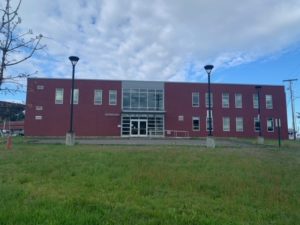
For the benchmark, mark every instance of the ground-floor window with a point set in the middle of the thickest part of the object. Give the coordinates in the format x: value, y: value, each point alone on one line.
x: 142, y: 125
x: 239, y: 124
x: 256, y: 124
x: 226, y: 124
x: 270, y: 125
x: 196, y: 123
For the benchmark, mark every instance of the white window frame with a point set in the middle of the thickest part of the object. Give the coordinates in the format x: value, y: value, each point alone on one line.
x: 255, y: 101
x: 237, y: 106
x: 269, y: 102
x: 59, y: 101
x: 226, y: 124
x: 38, y: 117
x: 75, y: 96
x: 40, y: 87
x: 211, y: 100
x: 196, y: 118
x: 256, y: 119
x: 38, y: 108
x: 239, y: 124
x: 225, y: 100
x: 272, y: 121
x: 98, y: 101
x: 180, y: 118
x: 197, y: 103
x: 212, y: 121
x: 113, y: 100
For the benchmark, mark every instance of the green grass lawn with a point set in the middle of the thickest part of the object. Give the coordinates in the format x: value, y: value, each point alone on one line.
x: 55, y: 184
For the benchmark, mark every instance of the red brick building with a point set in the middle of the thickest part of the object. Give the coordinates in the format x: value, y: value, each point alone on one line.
x: 157, y: 109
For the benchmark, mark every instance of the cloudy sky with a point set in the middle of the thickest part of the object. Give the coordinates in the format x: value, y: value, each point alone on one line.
x: 250, y: 41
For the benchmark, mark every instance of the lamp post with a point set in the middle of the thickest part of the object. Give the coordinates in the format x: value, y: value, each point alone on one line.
x: 208, y: 69
x: 70, y: 138
x: 260, y: 138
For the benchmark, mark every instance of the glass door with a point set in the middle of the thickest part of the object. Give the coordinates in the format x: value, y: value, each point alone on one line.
x: 138, y: 127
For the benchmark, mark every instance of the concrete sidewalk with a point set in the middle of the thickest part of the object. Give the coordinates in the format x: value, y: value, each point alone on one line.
x: 147, y: 141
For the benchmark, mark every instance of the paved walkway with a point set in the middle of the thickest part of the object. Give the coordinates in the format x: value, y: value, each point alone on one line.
x: 149, y: 141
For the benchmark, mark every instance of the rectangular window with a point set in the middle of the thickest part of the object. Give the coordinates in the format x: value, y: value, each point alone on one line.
x: 207, y: 120
x: 195, y: 99
x: 40, y: 87
x: 225, y: 100
x: 256, y: 124
x: 226, y: 124
x: 75, y: 96
x: 270, y: 125
x: 196, y: 124
x: 239, y: 124
x: 206, y: 100
x: 255, y: 101
x: 59, y: 96
x: 98, y: 97
x: 269, y: 102
x: 39, y: 108
x: 38, y: 117
x: 112, y: 97
x: 180, y: 118
x: 238, y: 101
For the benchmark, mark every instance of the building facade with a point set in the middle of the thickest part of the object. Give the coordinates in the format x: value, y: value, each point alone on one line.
x: 155, y: 109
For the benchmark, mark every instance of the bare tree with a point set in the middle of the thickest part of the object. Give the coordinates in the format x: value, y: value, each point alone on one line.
x: 16, y: 47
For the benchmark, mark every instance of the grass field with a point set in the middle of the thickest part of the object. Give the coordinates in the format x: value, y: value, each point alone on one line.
x: 55, y: 184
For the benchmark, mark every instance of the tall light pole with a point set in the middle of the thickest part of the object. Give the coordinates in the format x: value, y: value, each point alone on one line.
x: 292, y: 103
x: 70, y: 138
x: 208, y: 69
x: 258, y: 109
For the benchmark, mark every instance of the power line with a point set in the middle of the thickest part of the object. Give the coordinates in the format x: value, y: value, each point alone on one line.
x: 292, y: 103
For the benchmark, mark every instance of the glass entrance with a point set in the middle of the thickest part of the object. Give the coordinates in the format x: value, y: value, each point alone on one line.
x: 138, y: 127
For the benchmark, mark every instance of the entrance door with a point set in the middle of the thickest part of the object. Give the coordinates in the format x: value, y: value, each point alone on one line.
x: 138, y: 127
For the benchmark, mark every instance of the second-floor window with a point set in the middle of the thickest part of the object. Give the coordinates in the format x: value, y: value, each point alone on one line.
x: 255, y: 101
x: 59, y: 96
x: 238, y: 101
x: 112, y: 97
x: 206, y: 100
x: 225, y: 100
x: 195, y: 99
x: 269, y: 102
x: 98, y: 97
x: 75, y: 96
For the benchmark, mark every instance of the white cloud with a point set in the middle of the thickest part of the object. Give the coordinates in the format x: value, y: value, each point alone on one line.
x: 159, y: 39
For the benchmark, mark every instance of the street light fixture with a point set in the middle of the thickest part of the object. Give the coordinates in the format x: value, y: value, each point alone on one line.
x: 208, y: 69
x: 70, y: 138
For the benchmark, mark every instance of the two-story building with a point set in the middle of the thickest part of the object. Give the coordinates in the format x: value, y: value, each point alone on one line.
x: 150, y: 108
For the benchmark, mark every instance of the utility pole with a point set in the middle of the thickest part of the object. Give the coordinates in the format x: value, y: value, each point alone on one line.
x: 292, y: 103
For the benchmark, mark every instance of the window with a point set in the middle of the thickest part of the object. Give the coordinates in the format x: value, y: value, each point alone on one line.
x: 270, y: 125
x: 98, y: 97
x: 195, y: 99
x: 59, y: 96
x: 39, y: 108
x: 269, y: 102
x: 207, y: 120
x: 40, y: 87
x: 226, y: 124
x: 112, y: 97
x: 239, y: 124
x: 180, y: 118
x: 196, y: 124
x: 75, y: 96
x: 38, y: 117
x: 225, y: 100
x: 143, y: 99
x: 255, y: 101
x: 206, y: 100
x: 238, y: 101
x: 256, y: 124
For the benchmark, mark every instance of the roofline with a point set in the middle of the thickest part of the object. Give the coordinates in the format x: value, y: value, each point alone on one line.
x: 176, y: 82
